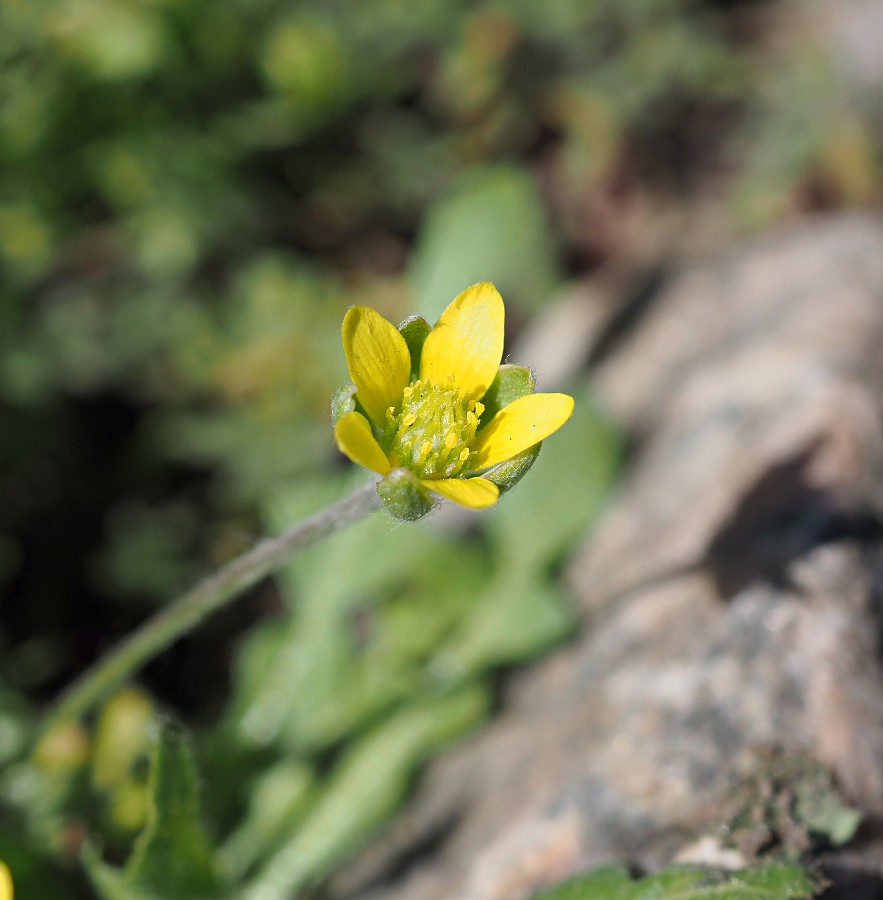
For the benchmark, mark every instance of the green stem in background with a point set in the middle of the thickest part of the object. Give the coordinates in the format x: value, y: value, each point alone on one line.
x: 193, y: 607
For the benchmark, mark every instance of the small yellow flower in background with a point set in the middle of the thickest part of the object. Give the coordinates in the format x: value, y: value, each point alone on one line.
x: 5, y: 882
x: 432, y: 410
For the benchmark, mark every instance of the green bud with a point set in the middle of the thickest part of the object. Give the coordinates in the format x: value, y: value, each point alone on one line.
x: 507, y: 474
x: 343, y: 402
x: 415, y: 330
x: 510, y: 383
x: 403, y: 495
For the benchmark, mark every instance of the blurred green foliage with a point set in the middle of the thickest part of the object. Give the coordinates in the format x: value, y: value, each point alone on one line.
x: 191, y: 195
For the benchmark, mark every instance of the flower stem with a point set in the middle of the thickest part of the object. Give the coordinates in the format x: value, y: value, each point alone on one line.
x: 197, y: 604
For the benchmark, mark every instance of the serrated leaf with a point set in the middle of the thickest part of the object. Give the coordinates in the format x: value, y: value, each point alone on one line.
x: 172, y: 858
x: 772, y: 881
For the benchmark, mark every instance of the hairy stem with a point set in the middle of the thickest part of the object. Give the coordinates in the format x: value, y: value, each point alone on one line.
x: 193, y: 607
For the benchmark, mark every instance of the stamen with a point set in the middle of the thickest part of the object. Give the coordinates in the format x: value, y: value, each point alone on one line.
x: 433, y: 430
x: 421, y: 456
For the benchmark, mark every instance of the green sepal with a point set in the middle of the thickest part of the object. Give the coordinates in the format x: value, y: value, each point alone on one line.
x: 507, y: 474
x: 343, y: 402
x: 415, y: 330
x: 510, y: 383
x: 403, y: 495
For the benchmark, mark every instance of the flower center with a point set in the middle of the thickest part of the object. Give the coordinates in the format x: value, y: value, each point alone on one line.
x: 432, y: 434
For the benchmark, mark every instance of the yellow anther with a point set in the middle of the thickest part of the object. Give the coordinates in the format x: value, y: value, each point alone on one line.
x: 390, y: 412
x: 431, y: 427
x: 479, y: 408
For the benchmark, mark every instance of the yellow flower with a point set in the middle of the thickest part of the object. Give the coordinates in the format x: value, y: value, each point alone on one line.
x: 433, y: 409
x: 5, y: 882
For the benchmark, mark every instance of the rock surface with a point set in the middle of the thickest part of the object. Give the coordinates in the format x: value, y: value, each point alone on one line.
x: 731, y: 593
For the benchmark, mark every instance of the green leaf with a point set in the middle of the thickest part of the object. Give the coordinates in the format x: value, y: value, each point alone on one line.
x: 365, y: 788
x: 347, y: 651
x: 773, y: 881
x: 516, y: 618
x: 606, y: 883
x: 172, y: 857
x: 490, y: 227
x: 277, y: 800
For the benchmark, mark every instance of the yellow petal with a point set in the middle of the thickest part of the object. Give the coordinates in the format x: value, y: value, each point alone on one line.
x: 466, y: 343
x: 476, y: 493
x: 378, y: 360
x: 355, y: 440
x: 5, y: 882
x: 523, y: 423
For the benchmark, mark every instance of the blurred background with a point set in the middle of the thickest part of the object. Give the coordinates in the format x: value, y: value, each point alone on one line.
x: 191, y: 195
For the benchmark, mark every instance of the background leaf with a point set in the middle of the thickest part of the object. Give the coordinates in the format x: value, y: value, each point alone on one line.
x: 173, y: 857
x: 488, y: 227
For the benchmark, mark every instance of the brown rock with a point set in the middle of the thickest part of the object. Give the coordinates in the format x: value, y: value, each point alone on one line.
x: 731, y: 593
